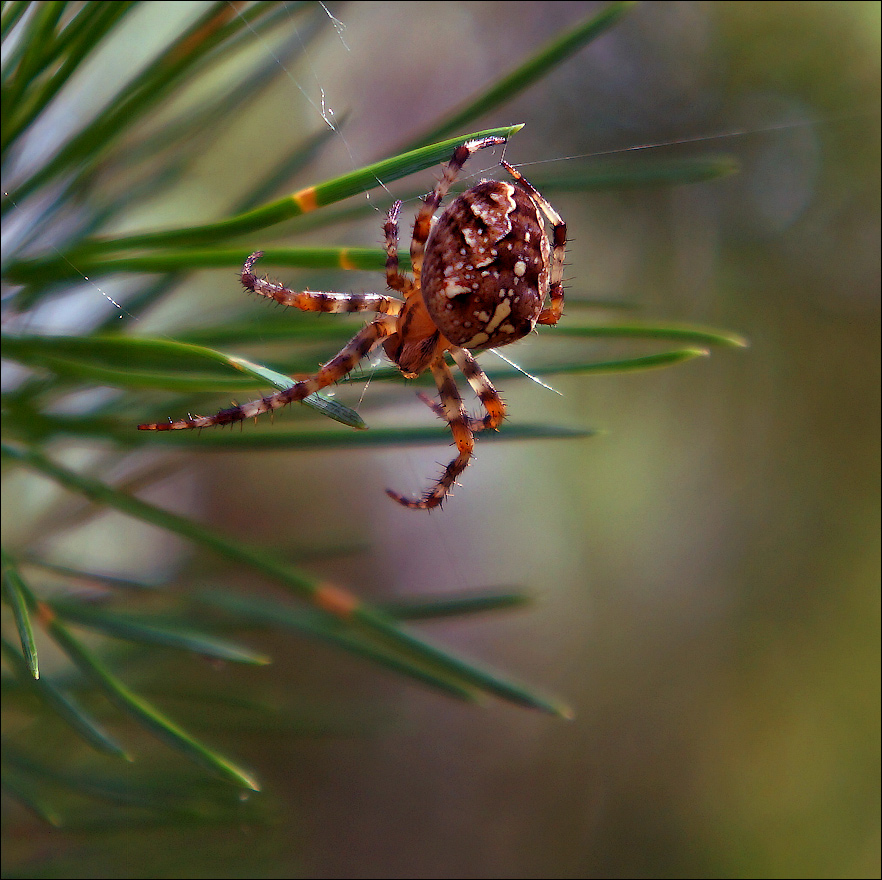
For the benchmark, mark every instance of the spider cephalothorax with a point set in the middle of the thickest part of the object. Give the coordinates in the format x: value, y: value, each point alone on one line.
x: 481, y: 275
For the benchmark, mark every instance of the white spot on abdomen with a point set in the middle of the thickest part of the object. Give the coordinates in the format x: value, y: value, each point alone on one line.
x: 503, y: 310
x: 452, y: 289
x: 476, y: 340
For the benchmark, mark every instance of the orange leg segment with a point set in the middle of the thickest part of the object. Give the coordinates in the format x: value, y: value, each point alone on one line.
x: 456, y: 418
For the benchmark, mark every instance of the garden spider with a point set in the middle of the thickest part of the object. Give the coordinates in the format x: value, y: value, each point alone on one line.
x: 481, y: 274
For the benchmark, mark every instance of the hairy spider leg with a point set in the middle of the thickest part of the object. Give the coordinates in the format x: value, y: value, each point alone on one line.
x: 423, y: 224
x: 396, y: 279
x: 483, y: 388
x: 317, y: 300
x: 552, y: 313
x: 367, y: 339
x: 455, y: 415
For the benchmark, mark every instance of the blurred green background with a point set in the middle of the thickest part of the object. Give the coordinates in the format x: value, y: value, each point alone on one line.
x: 706, y: 567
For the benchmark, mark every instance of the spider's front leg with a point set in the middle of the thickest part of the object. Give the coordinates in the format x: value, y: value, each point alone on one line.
x: 483, y: 388
x: 333, y: 371
x: 455, y: 414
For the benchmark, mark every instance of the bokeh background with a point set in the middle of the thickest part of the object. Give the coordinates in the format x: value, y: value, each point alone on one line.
x: 706, y: 568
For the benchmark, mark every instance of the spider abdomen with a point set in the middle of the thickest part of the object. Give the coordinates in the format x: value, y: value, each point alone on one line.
x: 485, y: 272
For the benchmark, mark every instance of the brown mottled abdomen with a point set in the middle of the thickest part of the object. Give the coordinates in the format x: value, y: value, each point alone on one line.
x: 485, y: 273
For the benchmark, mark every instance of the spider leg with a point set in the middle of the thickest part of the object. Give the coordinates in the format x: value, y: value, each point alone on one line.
x: 317, y: 300
x: 456, y: 417
x: 482, y: 387
x: 423, y: 223
x: 475, y: 425
x: 394, y: 278
x: 551, y: 314
x: 368, y: 338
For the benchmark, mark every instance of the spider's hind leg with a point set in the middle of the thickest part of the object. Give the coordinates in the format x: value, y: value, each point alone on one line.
x: 395, y: 279
x: 456, y: 418
x: 423, y: 223
x: 551, y: 314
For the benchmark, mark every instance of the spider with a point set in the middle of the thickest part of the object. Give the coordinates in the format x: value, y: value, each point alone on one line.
x: 481, y: 275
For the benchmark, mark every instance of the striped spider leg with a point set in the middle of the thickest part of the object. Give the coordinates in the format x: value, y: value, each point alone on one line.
x: 480, y: 276
x: 364, y: 342
x: 462, y: 426
x: 481, y: 385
